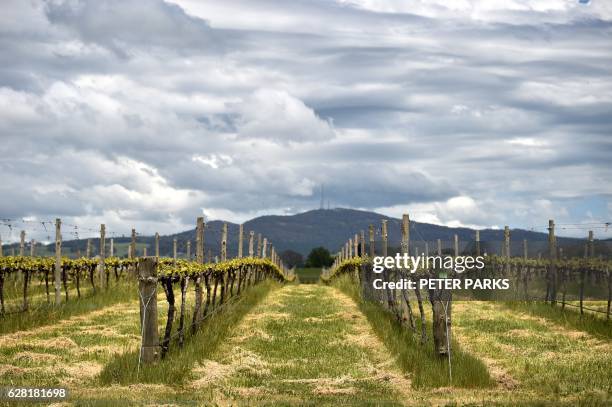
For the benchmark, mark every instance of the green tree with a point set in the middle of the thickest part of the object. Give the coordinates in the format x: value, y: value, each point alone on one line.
x: 319, y: 257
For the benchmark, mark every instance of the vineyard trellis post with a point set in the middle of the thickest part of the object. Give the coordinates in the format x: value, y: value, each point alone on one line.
x: 22, y: 243
x: 439, y: 251
x: 506, y: 242
x: 174, y: 249
x: 405, y: 249
x: 240, y: 238
x: 101, y: 269
x: 111, y: 250
x: 525, y: 250
x: 156, y: 244
x: 251, y: 237
x: 197, y: 313
x: 57, y: 273
x: 265, y: 247
x: 88, y: 249
x: 132, y: 254
x: 552, y: 272
x: 32, y: 247
x: 188, y: 254
x: 147, y: 285
x: 362, y: 241
x: 224, y: 242
x: 384, y: 238
x: 258, y: 245
x: 478, y: 243
x: 371, y: 240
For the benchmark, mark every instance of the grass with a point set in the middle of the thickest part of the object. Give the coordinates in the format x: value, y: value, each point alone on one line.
x: 175, y: 368
x: 308, y: 275
x: 43, y: 313
x: 428, y: 369
x: 303, y: 344
x: 569, y: 318
x: 541, y: 356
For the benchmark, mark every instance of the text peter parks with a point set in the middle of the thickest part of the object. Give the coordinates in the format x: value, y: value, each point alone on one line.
x: 444, y: 264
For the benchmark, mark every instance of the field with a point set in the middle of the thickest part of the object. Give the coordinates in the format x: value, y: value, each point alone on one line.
x: 292, y: 343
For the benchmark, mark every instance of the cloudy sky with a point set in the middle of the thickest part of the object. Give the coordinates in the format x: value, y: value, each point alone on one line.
x: 461, y: 112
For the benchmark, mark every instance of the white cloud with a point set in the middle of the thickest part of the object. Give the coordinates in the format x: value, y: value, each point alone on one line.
x: 276, y: 115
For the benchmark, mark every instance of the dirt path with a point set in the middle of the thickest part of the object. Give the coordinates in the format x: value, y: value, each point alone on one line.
x: 303, y: 343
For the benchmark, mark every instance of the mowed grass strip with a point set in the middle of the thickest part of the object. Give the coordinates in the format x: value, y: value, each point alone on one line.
x: 71, y: 352
x: 176, y: 367
x: 303, y: 344
x: 594, y: 323
x: 535, y: 355
x: 428, y: 370
x: 43, y: 313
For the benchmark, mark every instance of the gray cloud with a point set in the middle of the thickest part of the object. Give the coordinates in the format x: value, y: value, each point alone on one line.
x: 151, y: 113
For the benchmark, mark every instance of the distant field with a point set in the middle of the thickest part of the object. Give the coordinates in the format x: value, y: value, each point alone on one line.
x: 308, y: 275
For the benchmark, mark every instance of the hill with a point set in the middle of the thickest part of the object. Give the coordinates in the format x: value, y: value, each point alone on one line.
x: 331, y: 227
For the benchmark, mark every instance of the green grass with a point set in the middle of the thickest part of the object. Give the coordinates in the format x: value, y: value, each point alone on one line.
x: 428, y: 369
x: 176, y: 367
x: 304, y: 344
x: 44, y: 313
x: 542, y: 356
x: 308, y: 275
x: 570, y: 317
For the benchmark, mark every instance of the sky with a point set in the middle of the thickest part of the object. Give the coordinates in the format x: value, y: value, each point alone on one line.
x: 148, y: 114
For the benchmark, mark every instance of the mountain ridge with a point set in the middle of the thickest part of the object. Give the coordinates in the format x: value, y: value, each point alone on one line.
x: 330, y: 228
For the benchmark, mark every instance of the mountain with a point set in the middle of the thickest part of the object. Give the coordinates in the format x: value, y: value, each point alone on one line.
x: 330, y: 228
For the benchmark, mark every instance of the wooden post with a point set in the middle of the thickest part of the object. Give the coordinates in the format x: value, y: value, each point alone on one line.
x: 456, y: 245
x: 240, y: 237
x: 591, y: 245
x: 405, y: 233
x: 265, y: 247
x: 144, y: 251
x: 224, y: 242
x: 111, y: 251
x: 478, y: 243
x: 525, y: 250
x: 258, y: 245
x: 57, y: 273
x: 384, y: 237
x: 32, y: 247
x: 251, y: 236
x: 22, y: 243
x: 439, y: 247
x: 147, y: 285
x: 356, y: 245
x: 174, y: 248
x: 156, y: 244
x: 362, y: 241
x: 133, y: 244
x: 506, y: 242
x: 189, y: 250
x: 552, y: 254
x: 372, y: 247
x: 197, y: 313
x: 88, y: 249
x: 200, y: 240
x: 101, y: 267
x: 350, y: 248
